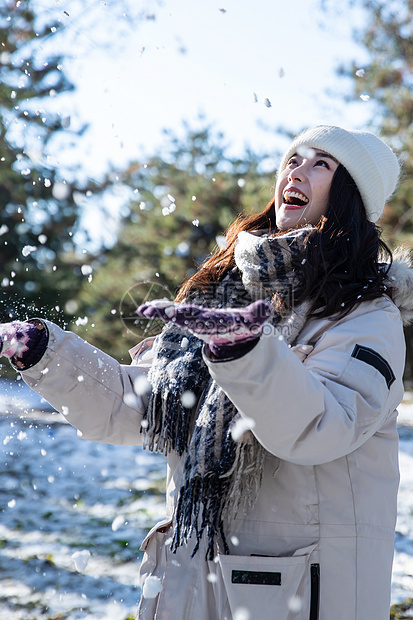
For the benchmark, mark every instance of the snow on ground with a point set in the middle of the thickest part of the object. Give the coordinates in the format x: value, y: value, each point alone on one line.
x: 73, y: 514
x: 60, y: 495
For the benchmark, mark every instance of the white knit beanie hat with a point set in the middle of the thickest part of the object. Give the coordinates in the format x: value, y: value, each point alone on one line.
x: 371, y: 163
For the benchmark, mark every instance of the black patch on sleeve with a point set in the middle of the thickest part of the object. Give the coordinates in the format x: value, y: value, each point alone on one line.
x: 370, y: 356
x: 260, y: 578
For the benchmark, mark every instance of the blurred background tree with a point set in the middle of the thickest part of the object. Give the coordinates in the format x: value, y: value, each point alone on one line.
x: 387, y: 81
x: 39, y: 212
x: 183, y: 200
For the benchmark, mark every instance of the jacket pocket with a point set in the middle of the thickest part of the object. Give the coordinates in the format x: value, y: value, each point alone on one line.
x: 282, y: 588
x: 153, y: 565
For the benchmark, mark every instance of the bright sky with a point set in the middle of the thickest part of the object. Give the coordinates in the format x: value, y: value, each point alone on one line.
x: 251, y: 66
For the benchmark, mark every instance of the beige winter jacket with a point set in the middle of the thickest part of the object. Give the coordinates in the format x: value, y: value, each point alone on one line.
x: 319, y: 542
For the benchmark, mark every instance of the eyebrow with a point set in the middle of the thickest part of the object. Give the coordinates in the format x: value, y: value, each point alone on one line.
x: 320, y: 154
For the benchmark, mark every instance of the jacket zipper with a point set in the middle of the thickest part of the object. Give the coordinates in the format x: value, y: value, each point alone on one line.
x: 315, y: 591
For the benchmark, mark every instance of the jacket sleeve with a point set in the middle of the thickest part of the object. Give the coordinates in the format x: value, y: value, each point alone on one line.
x: 321, y: 408
x: 92, y: 390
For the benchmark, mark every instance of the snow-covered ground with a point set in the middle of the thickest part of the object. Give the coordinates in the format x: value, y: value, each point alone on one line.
x: 73, y: 513
x: 61, y: 496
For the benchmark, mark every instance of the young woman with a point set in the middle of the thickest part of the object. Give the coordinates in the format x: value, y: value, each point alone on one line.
x: 273, y: 394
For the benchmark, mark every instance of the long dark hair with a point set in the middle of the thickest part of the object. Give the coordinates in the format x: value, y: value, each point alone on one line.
x: 346, y: 261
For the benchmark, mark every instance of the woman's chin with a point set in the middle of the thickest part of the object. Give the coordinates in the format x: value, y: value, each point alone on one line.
x: 288, y: 219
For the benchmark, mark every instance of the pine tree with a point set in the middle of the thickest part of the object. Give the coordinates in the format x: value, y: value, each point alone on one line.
x: 387, y: 80
x: 38, y: 204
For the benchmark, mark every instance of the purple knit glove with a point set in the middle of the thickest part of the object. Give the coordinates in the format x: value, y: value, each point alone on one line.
x: 23, y: 342
x: 227, y: 332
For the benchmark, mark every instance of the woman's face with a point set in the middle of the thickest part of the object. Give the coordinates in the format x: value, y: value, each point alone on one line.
x: 302, y: 189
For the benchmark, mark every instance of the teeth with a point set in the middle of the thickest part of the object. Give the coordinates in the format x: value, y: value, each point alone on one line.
x: 298, y: 195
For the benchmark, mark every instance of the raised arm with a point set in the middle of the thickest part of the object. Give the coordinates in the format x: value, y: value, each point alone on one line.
x: 319, y: 408
x: 312, y: 407
x: 105, y: 400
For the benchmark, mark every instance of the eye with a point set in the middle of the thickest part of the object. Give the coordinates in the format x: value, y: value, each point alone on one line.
x: 322, y: 162
x: 292, y: 161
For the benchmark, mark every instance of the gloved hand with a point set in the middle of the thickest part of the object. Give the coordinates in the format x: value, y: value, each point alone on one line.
x: 226, y: 331
x: 23, y: 342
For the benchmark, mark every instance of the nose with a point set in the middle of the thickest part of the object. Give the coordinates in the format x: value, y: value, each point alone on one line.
x: 297, y: 173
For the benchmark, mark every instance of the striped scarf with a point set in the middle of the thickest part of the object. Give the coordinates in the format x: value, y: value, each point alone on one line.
x: 190, y: 414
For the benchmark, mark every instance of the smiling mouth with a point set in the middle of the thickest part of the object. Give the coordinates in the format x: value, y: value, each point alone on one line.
x: 295, y: 199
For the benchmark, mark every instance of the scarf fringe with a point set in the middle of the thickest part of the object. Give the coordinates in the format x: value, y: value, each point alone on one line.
x: 167, y: 421
x: 221, y: 498
x: 208, y: 493
x: 246, y: 477
x: 168, y: 425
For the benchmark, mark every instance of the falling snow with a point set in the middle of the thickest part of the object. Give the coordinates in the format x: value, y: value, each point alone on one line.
x: 81, y: 559
x: 169, y: 209
x: 151, y: 587
x: 141, y: 386
x: 241, y: 426
x: 28, y: 249
x: 60, y: 190
x: 305, y: 151
x: 130, y: 400
x: 242, y: 614
x: 118, y: 522
x: 86, y: 269
x: 295, y: 604
x: 188, y: 399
